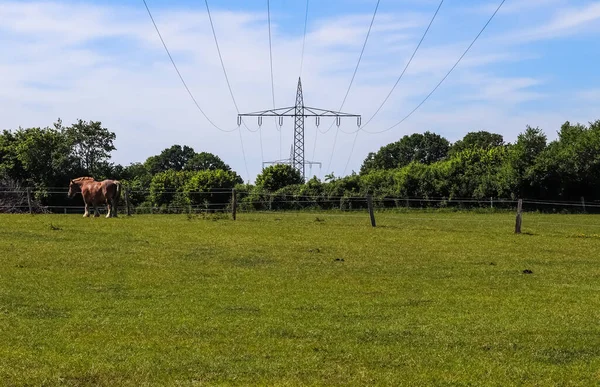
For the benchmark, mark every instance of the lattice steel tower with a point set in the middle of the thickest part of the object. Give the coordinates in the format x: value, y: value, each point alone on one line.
x: 300, y: 112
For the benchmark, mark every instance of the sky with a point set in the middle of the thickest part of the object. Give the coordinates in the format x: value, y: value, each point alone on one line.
x: 535, y: 64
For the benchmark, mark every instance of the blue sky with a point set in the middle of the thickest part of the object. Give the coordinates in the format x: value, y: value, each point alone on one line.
x: 536, y: 64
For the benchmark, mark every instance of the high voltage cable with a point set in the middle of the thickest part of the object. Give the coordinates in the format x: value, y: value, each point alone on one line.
x: 301, y: 69
x: 351, y: 83
x: 304, y: 39
x: 435, y: 88
x: 398, y: 80
x: 407, y: 64
x: 271, y: 53
x: 179, y: 73
x: 212, y: 26
x: 272, y: 77
x: 447, y: 74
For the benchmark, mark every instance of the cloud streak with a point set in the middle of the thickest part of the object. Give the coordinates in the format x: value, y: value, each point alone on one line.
x: 106, y: 63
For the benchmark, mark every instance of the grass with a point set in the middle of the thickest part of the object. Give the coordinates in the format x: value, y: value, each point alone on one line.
x: 300, y: 299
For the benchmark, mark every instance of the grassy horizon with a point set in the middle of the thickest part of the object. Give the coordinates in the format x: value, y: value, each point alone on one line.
x: 300, y: 298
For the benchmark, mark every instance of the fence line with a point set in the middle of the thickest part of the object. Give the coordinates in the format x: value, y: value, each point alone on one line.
x: 234, y: 207
x: 282, y: 198
x: 246, y: 201
x: 332, y: 197
x: 568, y: 204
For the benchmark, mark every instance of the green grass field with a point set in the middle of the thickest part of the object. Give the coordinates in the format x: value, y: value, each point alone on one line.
x: 300, y: 299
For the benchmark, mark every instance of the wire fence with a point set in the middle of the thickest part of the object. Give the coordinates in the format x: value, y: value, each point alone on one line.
x: 229, y: 203
x: 145, y: 201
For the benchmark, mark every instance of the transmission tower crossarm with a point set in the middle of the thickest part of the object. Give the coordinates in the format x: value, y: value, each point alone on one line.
x: 280, y: 112
x: 290, y: 112
x: 299, y: 112
x: 316, y: 112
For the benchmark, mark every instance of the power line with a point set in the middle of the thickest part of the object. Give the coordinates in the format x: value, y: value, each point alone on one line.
x: 179, y: 73
x: 301, y: 69
x: 351, y: 82
x: 447, y: 74
x: 397, y: 81
x: 407, y: 64
x: 272, y: 77
x: 435, y: 88
x: 271, y: 53
x: 304, y: 39
x: 212, y: 26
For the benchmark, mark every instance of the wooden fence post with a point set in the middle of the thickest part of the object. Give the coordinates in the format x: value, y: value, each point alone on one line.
x: 519, y: 217
x: 370, y: 205
x: 29, y: 200
x: 233, y: 203
x: 127, y: 206
x: 583, y: 203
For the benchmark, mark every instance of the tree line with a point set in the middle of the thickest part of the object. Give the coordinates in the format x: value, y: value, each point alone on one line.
x: 481, y: 165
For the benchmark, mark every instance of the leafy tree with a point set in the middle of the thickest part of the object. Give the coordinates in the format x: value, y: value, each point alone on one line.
x: 134, y: 170
x: 91, y: 145
x: 205, y: 161
x: 517, y: 175
x: 481, y: 139
x: 211, y: 187
x: 424, y: 148
x: 165, y: 186
x: 277, y: 176
x: 474, y: 172
x: 330, y: 177
x: 569, y: 167
x: 174, y: 158
x: 10, y: 165
x: 43, y: 157
x: 136, y: 177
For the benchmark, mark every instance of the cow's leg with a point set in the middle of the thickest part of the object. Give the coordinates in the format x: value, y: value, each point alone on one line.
x: 96, y: 213
x: 108, y: 209
x: 86, y: 214
x: 114, y: 208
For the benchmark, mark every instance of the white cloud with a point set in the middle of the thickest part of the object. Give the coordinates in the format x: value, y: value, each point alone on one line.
x: 106, y: 63
x: 565, y: 21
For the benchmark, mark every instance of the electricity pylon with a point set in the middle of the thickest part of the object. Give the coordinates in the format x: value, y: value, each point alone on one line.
x: 299, y: 112
x: 288, y: 161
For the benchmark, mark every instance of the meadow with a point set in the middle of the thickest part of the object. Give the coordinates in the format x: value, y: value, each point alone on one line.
x: 300, y: 299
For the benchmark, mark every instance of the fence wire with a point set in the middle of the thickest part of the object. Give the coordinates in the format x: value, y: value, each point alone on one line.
x: 140, y: 201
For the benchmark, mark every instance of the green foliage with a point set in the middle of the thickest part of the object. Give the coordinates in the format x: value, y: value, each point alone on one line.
x: 91, y: 145
x: 211, y: 188
x: 182, y: 188
x: 134, y: 170
x: 174, y: 158
x: 165, y: 187
x: 477, y: 140
x: 570, y: 166
x: 516, y: 176
x: 278, y: 176
x: 424, y: 148
x: 49, y: 157
x: 479, y: 166
x: 205, y: 161
x: 38, y: 157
